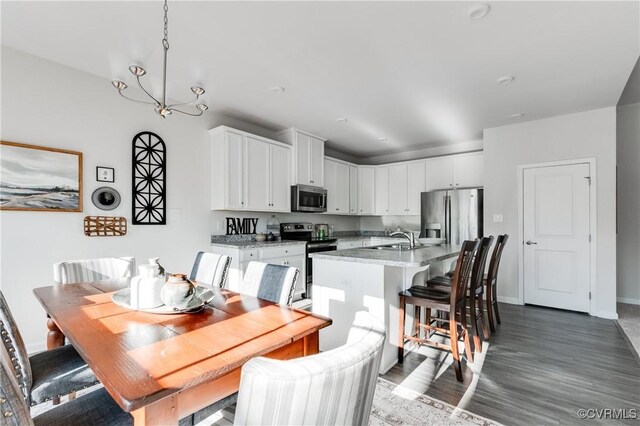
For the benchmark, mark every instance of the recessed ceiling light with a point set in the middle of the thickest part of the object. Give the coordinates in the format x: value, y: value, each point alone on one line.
x: 277, y: 89
x: 517, y: 115
x: 507, y: 79
x: 342, y: 120
x: 479, y: 11
x: 383, y: 139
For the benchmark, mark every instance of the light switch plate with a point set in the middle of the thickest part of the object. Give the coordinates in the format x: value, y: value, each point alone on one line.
x: 497, y: 218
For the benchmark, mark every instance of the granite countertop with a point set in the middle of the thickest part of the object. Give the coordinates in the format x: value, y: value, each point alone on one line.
x: 421, y: 256
x: 244, y: 244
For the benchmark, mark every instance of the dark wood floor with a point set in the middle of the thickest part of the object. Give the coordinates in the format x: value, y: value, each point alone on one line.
x: 540, y: 367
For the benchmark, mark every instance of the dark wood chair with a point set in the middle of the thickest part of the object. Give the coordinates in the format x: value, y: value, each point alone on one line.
x: 452, y: 302
x: 475, y: 292
x: 491, y: 281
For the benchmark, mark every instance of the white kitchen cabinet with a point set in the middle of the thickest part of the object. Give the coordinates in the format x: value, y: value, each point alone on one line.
x: 288, y: 255
x: 308, y: 154
x: 381, y: 190
x: 330, y: 184
x: 468, y: 170
x: 416, y: 173
x: 336, y: 178
x: 353, y: 190
x: 249, y: 172
x: 456, y: 171
x: 257, y: 175
x: 366, y: 190
x: 439, y: 173
x: 398, y: 184
x: 280, y: 188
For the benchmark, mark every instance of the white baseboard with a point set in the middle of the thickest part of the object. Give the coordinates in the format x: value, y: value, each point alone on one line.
x: 607, y: 315
x: 628, y: 300
x: 509, y: 300
x: 33, y: 348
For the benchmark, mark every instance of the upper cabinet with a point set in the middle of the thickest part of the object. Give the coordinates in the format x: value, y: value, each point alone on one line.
x: 459, y: 171
x: 366, y: 190
x: 468, y: 170
x: 353, y: 189
x: 249, y: 172
x: 406, y: 182
x: 336, y: 182
x: 308, y: 152
x: 382, y: 190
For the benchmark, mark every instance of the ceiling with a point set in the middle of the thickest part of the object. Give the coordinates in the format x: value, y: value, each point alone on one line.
x: 419, y: 74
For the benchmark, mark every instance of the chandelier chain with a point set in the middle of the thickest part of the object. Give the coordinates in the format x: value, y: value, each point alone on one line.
x: 165, y: 40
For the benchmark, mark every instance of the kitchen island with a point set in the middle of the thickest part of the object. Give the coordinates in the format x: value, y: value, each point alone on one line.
x: 370, y: 278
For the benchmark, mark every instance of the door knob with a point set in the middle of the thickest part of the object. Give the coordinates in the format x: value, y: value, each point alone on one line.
x: 529, y: 242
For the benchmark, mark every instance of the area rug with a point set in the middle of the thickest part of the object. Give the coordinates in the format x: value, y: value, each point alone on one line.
x: 395, y: 405
x: 629, y: 324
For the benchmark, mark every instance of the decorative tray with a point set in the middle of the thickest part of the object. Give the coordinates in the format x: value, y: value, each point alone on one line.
x: 203, y: 296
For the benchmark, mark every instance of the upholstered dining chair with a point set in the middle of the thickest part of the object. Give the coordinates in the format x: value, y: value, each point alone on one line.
x: 333, y: 387
x: 274, y: 283
x: 46, y: 375
x: 96, y: 408
x: 210, y: 268
x: 85, y: 270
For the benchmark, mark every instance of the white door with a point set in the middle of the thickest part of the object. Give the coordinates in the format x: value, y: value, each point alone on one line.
x: 382, y: 190
x: 280, y: 170
x: 556, y: 237
x: 353, y: 190
x: 257, y: 174
x: 398, y: 189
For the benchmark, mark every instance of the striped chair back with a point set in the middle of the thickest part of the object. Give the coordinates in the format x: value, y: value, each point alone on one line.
x: 15, y: 348
x: 107, y: 268
x: 270, y: 282
x: 210, y: 268
x: 332, y: 388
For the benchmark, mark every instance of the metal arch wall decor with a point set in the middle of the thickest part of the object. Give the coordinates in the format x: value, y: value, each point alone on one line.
x: 149, y: 180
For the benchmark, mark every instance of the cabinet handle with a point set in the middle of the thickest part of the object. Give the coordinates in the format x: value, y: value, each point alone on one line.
x: 337, y: 209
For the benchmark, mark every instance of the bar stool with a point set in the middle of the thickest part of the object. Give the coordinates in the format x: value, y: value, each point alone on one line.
x: 491, y: 281
x: 475, y: 291
x: 453, y: 302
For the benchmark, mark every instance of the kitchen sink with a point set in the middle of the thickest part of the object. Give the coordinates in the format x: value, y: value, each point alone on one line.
x: 397, y: 247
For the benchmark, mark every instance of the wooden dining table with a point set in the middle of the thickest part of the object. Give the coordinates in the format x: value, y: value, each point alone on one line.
x: 161, y: 368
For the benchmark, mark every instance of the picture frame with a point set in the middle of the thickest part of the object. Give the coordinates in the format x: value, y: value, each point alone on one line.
x: 38, y: 178
x: 105, y: 174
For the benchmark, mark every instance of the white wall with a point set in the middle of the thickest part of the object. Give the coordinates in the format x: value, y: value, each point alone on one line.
x: 628, y: 135
x: 581, y: 135
x: 52, y: 105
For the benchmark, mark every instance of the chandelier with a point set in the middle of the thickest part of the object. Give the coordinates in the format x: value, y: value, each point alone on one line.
x: 161, y: 107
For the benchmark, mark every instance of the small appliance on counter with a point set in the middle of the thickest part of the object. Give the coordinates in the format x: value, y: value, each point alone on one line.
x: 321, y: 231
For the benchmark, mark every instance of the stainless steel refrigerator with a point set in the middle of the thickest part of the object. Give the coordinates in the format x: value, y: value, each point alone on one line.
x: 452, y: 214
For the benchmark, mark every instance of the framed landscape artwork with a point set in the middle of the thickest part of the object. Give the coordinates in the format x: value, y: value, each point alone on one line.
x: 36, y: 178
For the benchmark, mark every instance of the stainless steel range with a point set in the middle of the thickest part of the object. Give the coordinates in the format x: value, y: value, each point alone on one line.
x: 303, y: 231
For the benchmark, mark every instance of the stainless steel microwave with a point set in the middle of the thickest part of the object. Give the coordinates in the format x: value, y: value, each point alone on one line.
x: 308, y: 199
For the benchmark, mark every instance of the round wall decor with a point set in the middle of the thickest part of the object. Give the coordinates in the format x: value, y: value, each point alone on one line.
x: 105, y: 198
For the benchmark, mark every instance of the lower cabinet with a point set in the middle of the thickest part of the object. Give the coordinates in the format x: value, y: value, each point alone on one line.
x: 289, y: 255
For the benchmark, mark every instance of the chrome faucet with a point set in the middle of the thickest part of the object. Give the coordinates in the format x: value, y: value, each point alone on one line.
x: 407, y: 234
